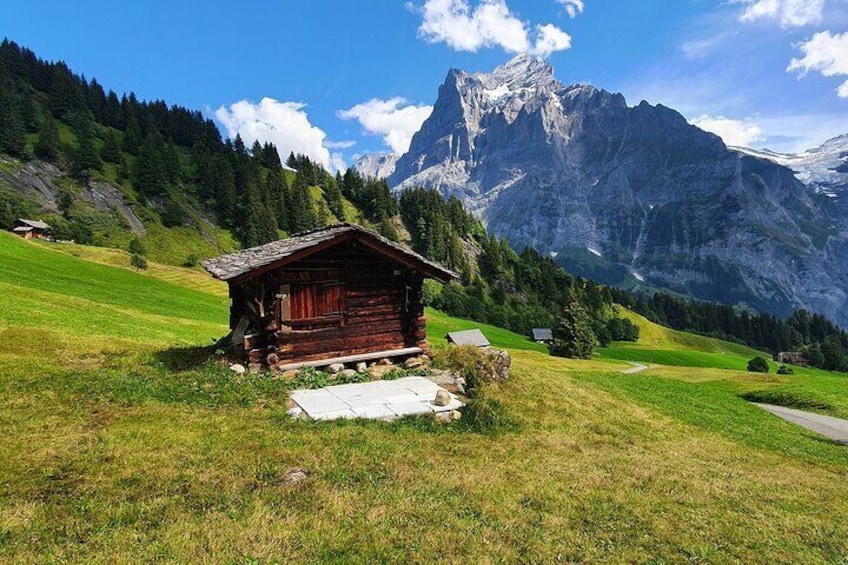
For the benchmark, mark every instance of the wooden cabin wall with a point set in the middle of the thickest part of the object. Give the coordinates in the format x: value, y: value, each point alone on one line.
x: 380, y: 305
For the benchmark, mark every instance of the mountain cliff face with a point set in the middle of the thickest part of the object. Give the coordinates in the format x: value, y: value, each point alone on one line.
x: 628, y: 195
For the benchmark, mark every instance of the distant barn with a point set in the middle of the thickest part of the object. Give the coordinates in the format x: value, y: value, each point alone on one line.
x: 793, y: 358
x: 542, y: 335
x: 30, y: 229
x: 334, y: 295
x: 468, y: 337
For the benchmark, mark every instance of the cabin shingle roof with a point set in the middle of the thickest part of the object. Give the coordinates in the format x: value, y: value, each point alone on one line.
x: 542, y: 334
x: 236, y: 264
x: 35, y: 224
x: 468, y: 337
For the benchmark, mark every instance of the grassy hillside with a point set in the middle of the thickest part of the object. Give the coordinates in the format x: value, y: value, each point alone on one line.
x: 129, y: 446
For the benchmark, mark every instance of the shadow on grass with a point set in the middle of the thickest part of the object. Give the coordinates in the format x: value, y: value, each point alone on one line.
x: 180, y: 359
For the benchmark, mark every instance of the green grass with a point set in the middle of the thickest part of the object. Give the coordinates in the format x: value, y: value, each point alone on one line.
x: 126, y: 442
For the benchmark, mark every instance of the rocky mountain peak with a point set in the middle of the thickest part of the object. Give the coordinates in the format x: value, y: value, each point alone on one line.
x: 633, y: 195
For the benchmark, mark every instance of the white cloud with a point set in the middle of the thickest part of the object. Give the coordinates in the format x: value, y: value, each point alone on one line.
x: 573, y: 7
x: 789, y: 13
x: 732, y: 132
x: 489, y: 24
x: 339, y: 144
x: 284, y: 124
x: 550, y: 39
x: 396, y: 121
x: 826, y: 53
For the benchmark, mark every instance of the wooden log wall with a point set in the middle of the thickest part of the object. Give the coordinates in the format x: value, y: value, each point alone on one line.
x: 346, y: 300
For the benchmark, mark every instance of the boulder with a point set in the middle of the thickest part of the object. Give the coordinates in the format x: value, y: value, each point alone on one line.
x: 385, y: 361
x: 416, y: 362
x: 272, y: 359
x: 348, y: 373
x: 238, y: 369
x: 254, y: 367
x: 377, y: 372
x: 498, y: 362
x: 335, y: 368
x: 443, y: 398
x: 361, y: 367
x: 289, y: 375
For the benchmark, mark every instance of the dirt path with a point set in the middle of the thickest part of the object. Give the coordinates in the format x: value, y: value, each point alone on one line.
x: 833, y: 428
x: 636, y: 368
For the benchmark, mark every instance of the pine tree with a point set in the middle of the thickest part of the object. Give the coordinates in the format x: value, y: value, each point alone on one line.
x: 86, y: 159
x: 111, y: 148
x: 47, y: 143
x: 132, y: 137
x: 12, y: 130
x: 333, y: 196
x: 573, y: 335
x: 151, y: 178
x: 302, y: 217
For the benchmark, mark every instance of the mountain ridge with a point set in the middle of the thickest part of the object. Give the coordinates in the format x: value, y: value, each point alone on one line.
x: 569, y: 168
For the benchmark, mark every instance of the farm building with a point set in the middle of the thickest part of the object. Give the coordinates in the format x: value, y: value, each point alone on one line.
x: 30, y: 229
x: 339, y: 294
x: 793, y: 358
x: 542, y: 335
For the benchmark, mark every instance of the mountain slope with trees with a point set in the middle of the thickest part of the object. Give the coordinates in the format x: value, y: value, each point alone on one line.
x: 110, y: 171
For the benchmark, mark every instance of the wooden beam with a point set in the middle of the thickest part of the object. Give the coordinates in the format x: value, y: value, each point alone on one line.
x: 353, y: 358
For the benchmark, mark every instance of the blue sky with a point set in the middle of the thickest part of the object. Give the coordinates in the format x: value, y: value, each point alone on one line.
x: 339, y: 78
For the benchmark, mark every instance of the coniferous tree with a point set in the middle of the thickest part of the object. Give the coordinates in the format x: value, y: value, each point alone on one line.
x: 111, y: 151
x: 151, y: 178
x: 47, y: 143
x: 12, y: 129
x: 132, y: 137
x: 86, y: 159
x: 302, y: 217
x: 573, y: 335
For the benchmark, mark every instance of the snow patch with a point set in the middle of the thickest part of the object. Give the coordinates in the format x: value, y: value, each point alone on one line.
x: 554, y: 254
x: 637, y: 276
x: 594, y: 252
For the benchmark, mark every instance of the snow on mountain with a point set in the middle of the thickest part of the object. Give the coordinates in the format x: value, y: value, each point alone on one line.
x: 563, y: 168
x: 823, y: 168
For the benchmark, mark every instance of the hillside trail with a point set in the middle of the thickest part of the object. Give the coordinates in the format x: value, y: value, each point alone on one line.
x: 636, y: 368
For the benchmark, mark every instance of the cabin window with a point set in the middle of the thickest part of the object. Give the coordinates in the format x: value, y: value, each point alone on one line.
x: 320, y: 302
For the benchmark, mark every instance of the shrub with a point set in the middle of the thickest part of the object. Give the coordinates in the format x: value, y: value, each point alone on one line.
x: 758, y: 365
x: 191, y: 261
x: 784, y: 370
x: 469, y: 363
x: 136, y: 247
x: 138, y: 261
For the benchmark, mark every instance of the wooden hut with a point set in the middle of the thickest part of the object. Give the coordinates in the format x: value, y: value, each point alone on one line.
x: 340, y: 294
x: 30, y: 229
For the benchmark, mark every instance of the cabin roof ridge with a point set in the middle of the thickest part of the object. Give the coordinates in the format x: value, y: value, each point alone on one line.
x: 243, y: 262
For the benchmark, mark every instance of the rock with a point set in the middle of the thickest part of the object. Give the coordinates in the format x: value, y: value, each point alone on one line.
x: 348, y: 373
x: 385, y: 361
x: 295, y: 476
x: 238, y: 369
x: 296, y: 412
x: 254, y: 367
x: 460, y: 384
x: 377, y: 372
x: 415, y: 362
x: 272, y: 359
x: 498, y: 362
x: 289, y: 375
x: 443, y: 398
x: 335, y: 368
x: 361, y: 367
x: 455, y: 415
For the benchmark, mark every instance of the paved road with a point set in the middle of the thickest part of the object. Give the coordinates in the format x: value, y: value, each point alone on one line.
x: 637, y: 368
x: 833, y: 428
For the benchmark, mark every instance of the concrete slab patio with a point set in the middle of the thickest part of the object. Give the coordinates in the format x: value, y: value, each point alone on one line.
x: 828, y: 426
x: 376, y: 400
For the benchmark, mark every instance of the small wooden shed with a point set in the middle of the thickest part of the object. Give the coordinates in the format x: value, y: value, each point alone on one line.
x: 30, y: 229
x: 340, y: 294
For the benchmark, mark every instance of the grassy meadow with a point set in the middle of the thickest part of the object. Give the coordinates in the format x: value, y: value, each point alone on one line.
x: 124, y: 442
